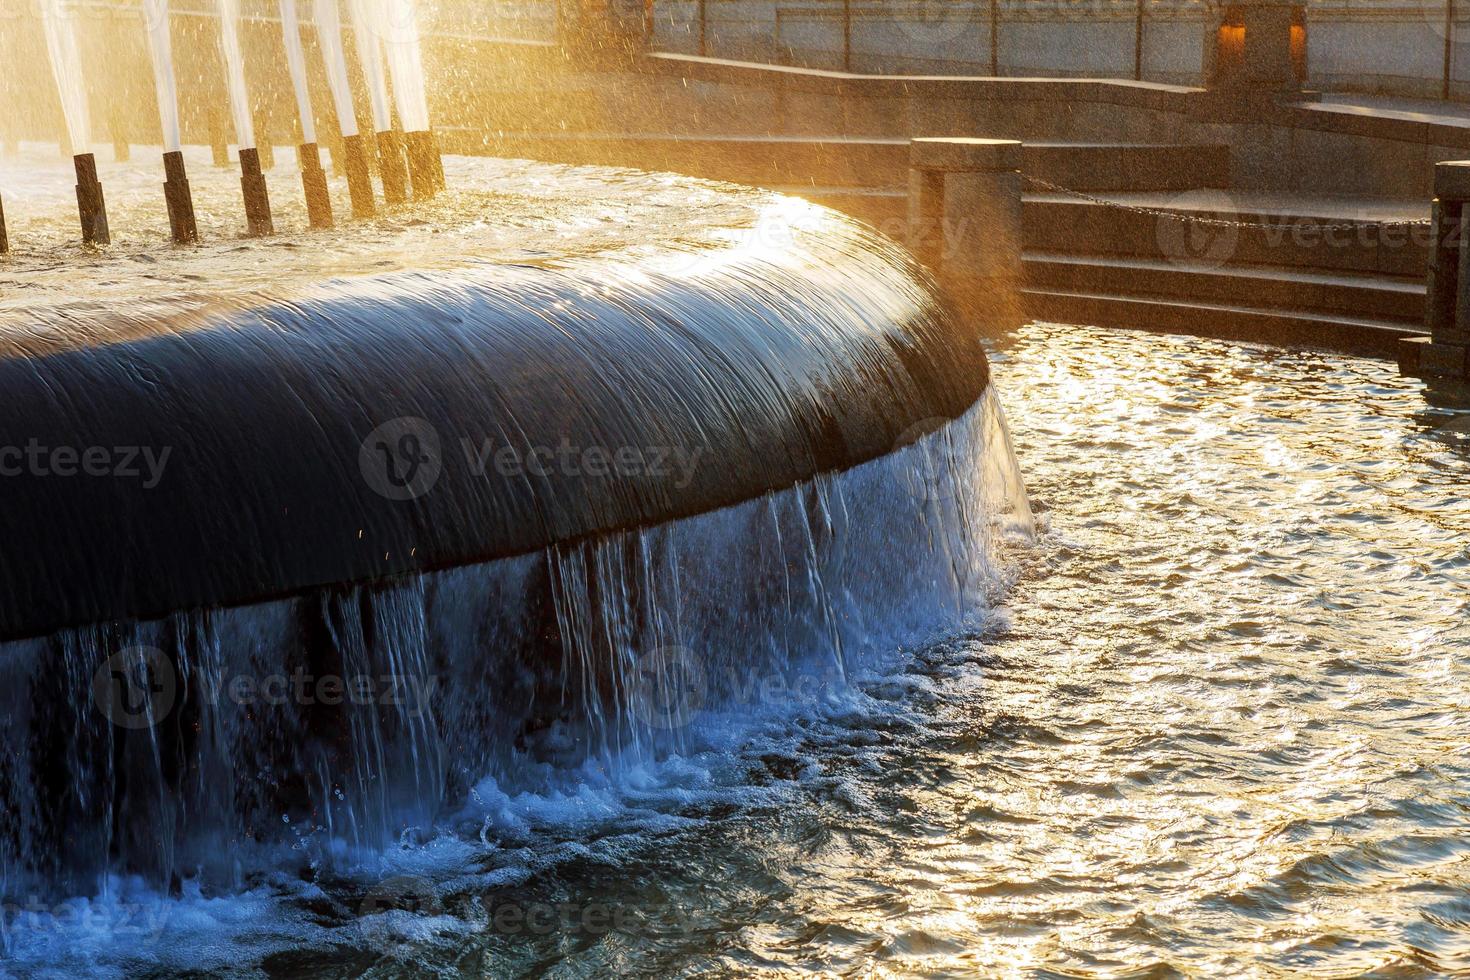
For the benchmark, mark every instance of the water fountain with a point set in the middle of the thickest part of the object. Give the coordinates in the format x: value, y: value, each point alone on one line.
x: 391, y: 167
x: 508, y: 467
x: 66, y: 66
x: 329, y: 36
x: 313, y: 178
x: 252, y: 180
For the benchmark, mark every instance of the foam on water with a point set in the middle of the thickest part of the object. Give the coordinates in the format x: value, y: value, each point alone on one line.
x: 667, y: 656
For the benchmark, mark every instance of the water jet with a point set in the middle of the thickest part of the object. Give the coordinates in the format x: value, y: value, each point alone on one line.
x: 391, y: 167
x: 252, y: 180
x: 176, y: 184
x: 354, y: 161
x: 396, y: 23
x: 308, y: 155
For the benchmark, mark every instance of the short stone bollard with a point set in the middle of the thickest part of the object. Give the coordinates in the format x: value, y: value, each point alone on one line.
x: 965, y: 222
x: 1446, y: 352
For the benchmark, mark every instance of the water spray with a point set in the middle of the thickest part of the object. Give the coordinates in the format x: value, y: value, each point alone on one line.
x: 66, y: 66
x: 176, y: 184
x: 390, y: 151
x: 354, y: 162
x: 252, y: 180
x: 397, y: 21
x: 313, y: 177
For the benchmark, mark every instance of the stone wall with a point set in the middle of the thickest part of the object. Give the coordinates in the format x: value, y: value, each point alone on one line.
x: 1388, y: 46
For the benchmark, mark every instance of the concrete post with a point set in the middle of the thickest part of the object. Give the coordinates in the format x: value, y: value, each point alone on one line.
x: 965, y: 221
x: 1446, y: 351
x: 314, y: 183
x: 257, y: 200
x: 180, y: 201
x: 391, y: 167
x: 359, y: 179
x: 425, y: 169
x: 91, y: 206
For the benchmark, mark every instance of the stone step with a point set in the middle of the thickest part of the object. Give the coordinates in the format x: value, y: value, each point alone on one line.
x: 1231, y: 321
x: 866, y: 162
x: 1389, y: 298
x: 1331, y: 242
x: 1128, y: 166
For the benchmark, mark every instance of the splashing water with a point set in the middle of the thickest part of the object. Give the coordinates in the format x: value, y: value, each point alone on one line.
x: 66, y: 66
x: 329, y: 35
x: 296, y: 62
x: 370, y: 55
x: 397, y: 25
x: 160, y: 48
x: 229, y: 26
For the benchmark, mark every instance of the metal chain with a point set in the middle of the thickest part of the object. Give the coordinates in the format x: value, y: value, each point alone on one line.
x: 1216, y: 222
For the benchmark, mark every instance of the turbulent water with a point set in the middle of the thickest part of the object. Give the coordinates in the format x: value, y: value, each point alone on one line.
x: 1216, y: 728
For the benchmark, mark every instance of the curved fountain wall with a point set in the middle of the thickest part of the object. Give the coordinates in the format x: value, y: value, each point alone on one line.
x: 835, y: 479
x: 759, y: 369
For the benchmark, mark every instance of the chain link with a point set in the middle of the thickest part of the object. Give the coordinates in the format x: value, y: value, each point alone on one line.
x: 1213, y: 222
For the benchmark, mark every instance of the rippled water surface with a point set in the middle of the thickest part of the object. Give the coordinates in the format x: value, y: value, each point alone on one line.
x: 1221, y: 728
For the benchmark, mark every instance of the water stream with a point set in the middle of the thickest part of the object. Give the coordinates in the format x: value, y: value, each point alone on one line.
x: 296, y: 63
x: 66, y: 66
x: 240, y: 105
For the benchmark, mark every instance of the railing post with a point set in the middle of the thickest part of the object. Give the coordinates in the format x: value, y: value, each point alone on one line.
x: 1138, y: 42
x: 965, y: 221
x: 994, y: 38
x: 1449, y: 46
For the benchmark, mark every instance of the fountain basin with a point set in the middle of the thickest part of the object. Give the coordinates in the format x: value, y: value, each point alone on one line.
x: 167, y: 445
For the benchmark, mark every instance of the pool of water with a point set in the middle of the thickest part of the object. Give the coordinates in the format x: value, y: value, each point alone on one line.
x: 1218, y: 727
